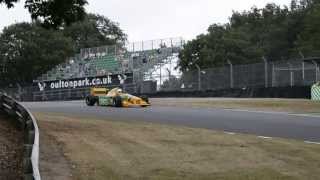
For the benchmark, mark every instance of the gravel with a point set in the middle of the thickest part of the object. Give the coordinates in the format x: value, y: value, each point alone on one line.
x: 11, y: 151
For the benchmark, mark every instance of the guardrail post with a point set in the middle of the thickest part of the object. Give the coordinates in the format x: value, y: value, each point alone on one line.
x: 27, y: 150
x: 29, y: 125
x: 29, y: 138
x: 13, y: 114
x: 28, y: 177
x: 27, y: 166
x: 24, y: 119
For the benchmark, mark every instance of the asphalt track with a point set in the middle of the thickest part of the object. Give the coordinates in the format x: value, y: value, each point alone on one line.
x: 269, y: 124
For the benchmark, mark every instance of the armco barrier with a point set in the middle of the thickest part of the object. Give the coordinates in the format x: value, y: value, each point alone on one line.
x: 25, y: 121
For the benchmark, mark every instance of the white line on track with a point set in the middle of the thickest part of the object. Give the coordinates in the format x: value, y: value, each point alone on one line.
x: 311, y: 142
x: 264, y: 137
x: 306, y: 115
x: 252, y: 111
x: 273, y: 112
x: 230, y: 133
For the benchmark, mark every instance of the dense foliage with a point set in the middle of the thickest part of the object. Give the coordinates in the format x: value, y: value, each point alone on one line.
x: 53, y: 13
x: 95, y: 31
x: 28, y: 50
x: 273, y: 32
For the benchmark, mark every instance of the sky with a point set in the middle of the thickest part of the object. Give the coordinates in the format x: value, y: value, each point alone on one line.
x: 155, y: 19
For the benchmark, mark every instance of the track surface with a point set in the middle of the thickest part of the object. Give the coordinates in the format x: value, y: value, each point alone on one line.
x: 274, y: 124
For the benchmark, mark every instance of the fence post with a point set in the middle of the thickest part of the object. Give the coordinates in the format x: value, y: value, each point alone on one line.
x: 170, y: 83
x: 142, y: 46
x: 265, y: 71
x: 303, y: 68
x: 303, y: 73
x: 273, y: 75
x: 231, y: 74
x: 316, y: 64
x: 291, y: 75
x: 199, y: 77
x: 160, y: 73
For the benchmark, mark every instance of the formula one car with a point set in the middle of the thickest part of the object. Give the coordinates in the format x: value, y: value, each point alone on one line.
x: 115, y: 97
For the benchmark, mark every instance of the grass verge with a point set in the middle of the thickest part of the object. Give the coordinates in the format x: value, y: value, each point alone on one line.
x: 282, y: 105
x: 104, y: 149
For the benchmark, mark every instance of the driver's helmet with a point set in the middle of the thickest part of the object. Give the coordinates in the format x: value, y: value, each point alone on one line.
x: 119, y: 90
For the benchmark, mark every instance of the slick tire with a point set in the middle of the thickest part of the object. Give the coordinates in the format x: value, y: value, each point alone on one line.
x: 90, y: 101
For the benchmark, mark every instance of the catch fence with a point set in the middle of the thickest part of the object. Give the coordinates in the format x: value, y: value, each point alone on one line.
x: 265, y: 74
x: 303, y: 72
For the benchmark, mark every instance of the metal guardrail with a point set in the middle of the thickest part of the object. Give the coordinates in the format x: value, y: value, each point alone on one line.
x: 25, y: 121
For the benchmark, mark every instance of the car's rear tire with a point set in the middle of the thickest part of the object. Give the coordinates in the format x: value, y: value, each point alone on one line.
x: 90, y: 101
x: 117, y: 101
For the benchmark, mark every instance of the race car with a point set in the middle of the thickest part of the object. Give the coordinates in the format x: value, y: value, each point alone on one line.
x: 115, y: 97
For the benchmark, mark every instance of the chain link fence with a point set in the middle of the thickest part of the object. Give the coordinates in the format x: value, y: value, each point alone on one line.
x: 304, y: 72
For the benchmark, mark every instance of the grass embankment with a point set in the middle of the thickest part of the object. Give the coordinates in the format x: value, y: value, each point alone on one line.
x: 283, y: 105
x: 104, y: 149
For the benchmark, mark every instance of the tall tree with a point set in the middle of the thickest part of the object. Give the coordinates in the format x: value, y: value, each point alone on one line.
x: 53, y: 13
x: 28, y: 50
x: 273, y: 32
x: 94, y: 31
x: 308, y: 41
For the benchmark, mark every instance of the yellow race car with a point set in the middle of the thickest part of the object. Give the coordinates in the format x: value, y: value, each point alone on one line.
x: 115, y: 97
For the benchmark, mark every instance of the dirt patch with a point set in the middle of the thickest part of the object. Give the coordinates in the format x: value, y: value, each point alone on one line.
x: 282, y: 105
x: 11, y: 150
x: 52, y: 162
x: 106, y: 149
